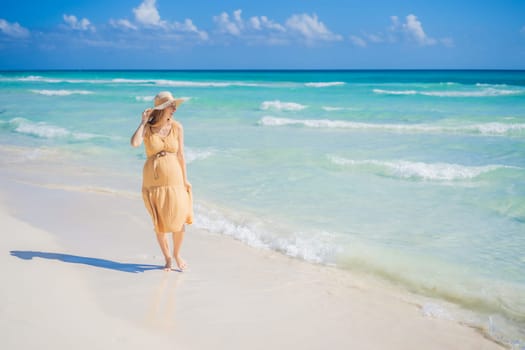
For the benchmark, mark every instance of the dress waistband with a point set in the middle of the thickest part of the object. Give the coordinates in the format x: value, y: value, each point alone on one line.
x: 161, y: 154
x: 155, y: 157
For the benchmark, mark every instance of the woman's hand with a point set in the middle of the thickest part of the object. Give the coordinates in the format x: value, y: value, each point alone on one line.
x: 146, y: 115
x: 138, y: 135
x: 188, y: 186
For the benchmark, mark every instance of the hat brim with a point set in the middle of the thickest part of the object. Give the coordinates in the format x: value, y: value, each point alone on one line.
x: 177, y: 102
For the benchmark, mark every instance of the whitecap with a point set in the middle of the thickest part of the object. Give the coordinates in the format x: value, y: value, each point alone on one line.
x: 192, y: 154
x: 36, y: 78
x: 47, y: 131
x: 33, y: 78
x: 282, y: 106
x: 419, y: 170
x: 340, y: 124
x: 486, y: 92
x: 184, y: 83
x: 130, y: 81
x: 145, y: 98
x: 493, y: 128
x: 335, y: 109
x: 39, y: 129
x: 157, y: 82
x: 325, y: 84
x: 180, y: 83
x: 62, y: 92
x: 481, y: 93
x: 332, y: 109
x: 395, y: 92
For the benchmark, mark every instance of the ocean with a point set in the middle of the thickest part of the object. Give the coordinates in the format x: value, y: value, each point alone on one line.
x: 416, y: 177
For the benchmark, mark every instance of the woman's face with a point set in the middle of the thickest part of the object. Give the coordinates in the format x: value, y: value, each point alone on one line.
x: 168, y: 111
x: 171, y: 109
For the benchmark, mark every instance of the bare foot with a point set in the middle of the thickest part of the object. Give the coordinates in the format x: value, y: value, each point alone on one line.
x: 167, y: 267
x: 181, y: 263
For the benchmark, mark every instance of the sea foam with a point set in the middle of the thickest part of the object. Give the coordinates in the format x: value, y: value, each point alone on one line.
x: 325, y: 84
x: 316, y: 249
x: 145, y: 98
x: 494, y: 128
x: 62, y: 92
x: 332, y: 109
x: 335, y: 109
x: 192, y: 154
x: 485, y: 92
x: 419, y: 170
x: 282, y: 106
x: 156, y: 82
x: 45, y: 130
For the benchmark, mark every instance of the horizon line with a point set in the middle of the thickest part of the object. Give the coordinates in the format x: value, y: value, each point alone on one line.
x: 255, y: 69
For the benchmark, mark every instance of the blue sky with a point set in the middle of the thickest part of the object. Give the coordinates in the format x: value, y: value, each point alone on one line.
x: 270, y: 34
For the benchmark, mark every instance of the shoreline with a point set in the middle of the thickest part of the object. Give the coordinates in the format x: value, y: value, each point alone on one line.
x: 86, y: 240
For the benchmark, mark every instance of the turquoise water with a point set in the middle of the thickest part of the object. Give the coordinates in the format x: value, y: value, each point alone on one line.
x: 414, y: 176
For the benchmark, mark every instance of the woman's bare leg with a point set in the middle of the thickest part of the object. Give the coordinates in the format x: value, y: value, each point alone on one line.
x: 178, y: 237
x: 163, y: 243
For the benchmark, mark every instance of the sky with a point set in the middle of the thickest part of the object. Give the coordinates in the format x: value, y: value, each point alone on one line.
x: 269, y: 34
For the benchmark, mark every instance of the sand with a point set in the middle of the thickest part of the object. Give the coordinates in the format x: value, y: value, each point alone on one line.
x: 82, y: 269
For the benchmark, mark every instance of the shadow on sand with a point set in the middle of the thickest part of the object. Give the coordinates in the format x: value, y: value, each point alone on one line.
x: 75, y: 259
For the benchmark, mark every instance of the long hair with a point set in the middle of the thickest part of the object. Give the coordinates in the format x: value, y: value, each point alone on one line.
x: 155, y: 116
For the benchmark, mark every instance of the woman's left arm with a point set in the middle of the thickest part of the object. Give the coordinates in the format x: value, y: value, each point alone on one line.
x: 180, y: 157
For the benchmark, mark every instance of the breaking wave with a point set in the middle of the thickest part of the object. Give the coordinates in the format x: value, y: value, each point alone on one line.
x: 154, y: 82
x: 62, y: 92
x: 419, y: 170
x: 46, y: 131
x: 485, y: 92
x: 317, y: 249
x: 282, y: 106
x: 327, y: 84
x: 193, y: 154
x: 494, y: 128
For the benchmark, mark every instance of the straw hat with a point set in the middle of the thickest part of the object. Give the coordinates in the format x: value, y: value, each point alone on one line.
x: 165, y: 99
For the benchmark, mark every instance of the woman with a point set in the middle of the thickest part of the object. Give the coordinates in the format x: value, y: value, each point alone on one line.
x: 165, y: 187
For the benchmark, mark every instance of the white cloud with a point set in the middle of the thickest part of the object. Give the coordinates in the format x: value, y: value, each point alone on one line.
x: 414, y: 28
x: 232, y: 27
x: 14, y: 30
x: 189, y: 27
x: 357, y: 41
x: 311, y: 28
x: 147, y: 14
x: 395, y: 24
x: 236, y: 26
x: 264, y: 30
x: 255, y: 23
x: 122, y: 24
x: 411, y: 30
x: 76, y: 24
x: 237, y: 16
x: 262, y: 22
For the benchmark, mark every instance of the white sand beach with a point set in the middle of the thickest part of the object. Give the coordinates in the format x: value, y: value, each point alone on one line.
x: 81, y: 269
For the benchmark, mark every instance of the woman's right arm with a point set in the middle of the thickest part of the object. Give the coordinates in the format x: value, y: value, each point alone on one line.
x: 138, y: 135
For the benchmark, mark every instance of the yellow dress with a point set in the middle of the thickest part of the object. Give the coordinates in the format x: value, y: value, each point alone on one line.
x: 163, y: 191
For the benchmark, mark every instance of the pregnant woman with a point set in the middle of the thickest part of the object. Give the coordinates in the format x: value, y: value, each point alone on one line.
x: 165, y: 187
